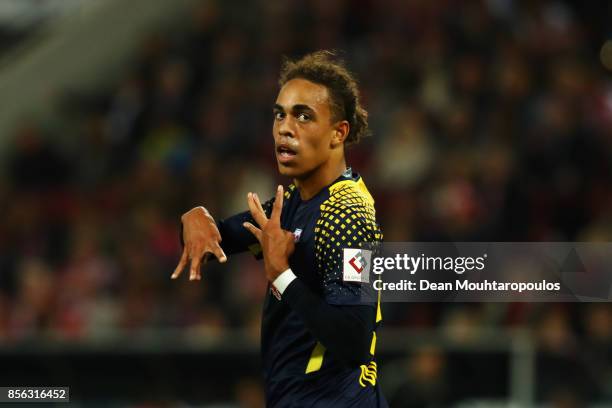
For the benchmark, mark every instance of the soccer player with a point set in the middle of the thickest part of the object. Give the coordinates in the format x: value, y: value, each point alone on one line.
x: 318, y: 333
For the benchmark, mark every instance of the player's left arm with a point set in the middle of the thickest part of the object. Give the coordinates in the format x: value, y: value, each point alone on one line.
x: 344, y: 330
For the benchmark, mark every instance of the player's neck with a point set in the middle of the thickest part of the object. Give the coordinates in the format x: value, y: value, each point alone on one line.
x: 313, y: 183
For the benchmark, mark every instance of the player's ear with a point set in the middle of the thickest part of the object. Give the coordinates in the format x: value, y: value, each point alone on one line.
x: 341, y: 132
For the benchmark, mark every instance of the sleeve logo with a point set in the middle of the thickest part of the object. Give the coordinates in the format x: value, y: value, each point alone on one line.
x: 356, y: 265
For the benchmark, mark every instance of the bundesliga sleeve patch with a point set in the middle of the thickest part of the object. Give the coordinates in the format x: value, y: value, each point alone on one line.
x: 356, y: 265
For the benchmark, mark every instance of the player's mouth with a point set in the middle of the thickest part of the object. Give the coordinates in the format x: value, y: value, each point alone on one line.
x: 284, y: 154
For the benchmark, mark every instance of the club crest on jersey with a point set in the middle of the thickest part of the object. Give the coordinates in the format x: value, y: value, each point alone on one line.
x: 275, y: 292
x: 297, y: 234
x: 356, y: 265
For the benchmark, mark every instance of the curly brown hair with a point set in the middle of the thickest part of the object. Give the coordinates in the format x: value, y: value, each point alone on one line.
x: 324, y: 68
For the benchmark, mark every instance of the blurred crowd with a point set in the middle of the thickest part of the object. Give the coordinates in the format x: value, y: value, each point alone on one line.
x: 491, y: 121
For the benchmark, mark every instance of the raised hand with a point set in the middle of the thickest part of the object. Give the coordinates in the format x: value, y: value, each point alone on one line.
x: 202, y: 240
x: 276, y: 243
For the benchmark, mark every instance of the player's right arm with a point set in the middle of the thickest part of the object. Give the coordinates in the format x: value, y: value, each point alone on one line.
x: 200, y: 237
x: 203, y: 238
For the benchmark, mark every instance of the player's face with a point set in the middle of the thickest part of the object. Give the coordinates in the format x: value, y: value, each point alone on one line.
x: 303, y: 128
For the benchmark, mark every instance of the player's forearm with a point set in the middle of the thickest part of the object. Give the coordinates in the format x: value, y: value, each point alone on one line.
x: 234, y: 237
x: 345, y: 331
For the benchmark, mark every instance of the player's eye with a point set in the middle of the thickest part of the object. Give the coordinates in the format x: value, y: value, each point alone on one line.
x: 303, y: 117
x: 279, y: 115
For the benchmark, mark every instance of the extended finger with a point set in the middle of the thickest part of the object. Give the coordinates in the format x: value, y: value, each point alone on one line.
x: 253, y: 230
x: 194, y: 271
x: 218, y: 252
x: 256, y: 211
x: 181, y: 265
x: 258, y: 203
x: 278, y: 205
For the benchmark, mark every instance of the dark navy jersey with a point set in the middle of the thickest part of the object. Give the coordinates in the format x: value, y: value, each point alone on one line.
x: 299, y: 370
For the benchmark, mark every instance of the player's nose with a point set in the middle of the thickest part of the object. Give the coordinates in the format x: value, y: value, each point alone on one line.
x: 286, y: 128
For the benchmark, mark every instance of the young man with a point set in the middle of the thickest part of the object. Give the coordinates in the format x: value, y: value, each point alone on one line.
x: 318, y: 333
